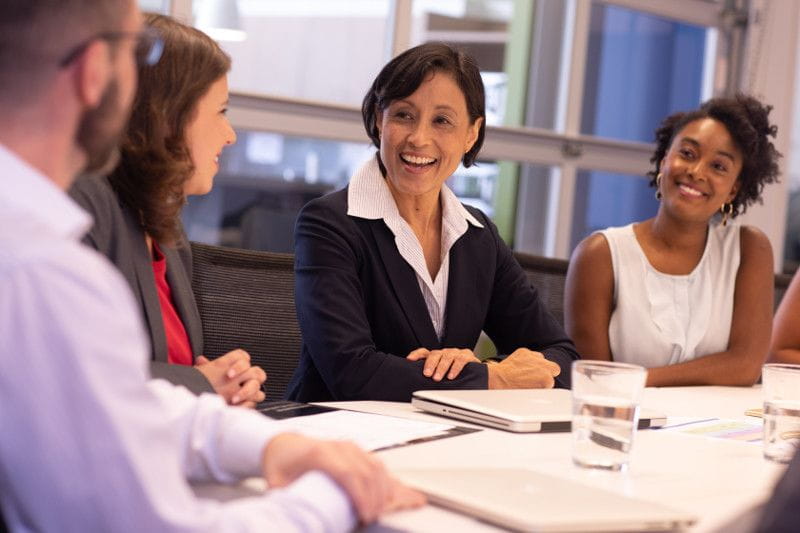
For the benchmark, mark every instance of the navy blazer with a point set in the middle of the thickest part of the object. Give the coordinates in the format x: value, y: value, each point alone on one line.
x: 361, y: 311
x: 117, y: 234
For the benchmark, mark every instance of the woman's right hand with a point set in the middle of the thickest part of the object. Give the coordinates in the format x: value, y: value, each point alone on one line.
x: 234, y: 378
x: 450, y: 361
x: 523, y: 369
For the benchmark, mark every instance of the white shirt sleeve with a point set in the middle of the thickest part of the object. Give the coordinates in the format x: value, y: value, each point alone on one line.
x: 89, y: 445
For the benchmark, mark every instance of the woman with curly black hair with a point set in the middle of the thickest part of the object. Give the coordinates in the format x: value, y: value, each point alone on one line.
x: 687, y: 293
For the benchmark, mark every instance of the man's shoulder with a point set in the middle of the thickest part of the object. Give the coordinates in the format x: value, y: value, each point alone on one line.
x: 58, y: 265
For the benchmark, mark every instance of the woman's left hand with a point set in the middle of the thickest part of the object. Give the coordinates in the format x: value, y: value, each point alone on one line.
x: 447, y: 360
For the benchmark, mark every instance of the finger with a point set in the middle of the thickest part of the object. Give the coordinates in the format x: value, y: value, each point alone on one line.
x: 246, y: 392
x: 354, y: 478
x: 445, y: 362
x: 248, y: 405
x: 546, y: 382
x: 431, y: 362
x: 419, y: 353
x: 386, y: 489
x: 404, y: 497
x: 552, y: 367
x: 375, y: 481
x: 457, y: 366
x: 240, y: 366
x: 253, y: 372
x: 201, y: 360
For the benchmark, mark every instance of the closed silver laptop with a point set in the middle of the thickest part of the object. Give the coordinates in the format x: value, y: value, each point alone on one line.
x: 518, y: 410
x: 526, y: 500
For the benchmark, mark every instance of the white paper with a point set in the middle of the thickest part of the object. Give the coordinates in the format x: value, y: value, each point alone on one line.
x: 370, y: 431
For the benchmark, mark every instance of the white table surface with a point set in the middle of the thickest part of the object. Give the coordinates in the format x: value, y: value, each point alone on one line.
x: 720, y: 481
x: 715, y: 479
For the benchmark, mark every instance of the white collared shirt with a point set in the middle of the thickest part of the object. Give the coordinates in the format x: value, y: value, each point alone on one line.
x: 88, y: 443
x: 369, y: 197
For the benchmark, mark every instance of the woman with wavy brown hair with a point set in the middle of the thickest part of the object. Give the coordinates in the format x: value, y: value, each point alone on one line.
x: 171, y: 149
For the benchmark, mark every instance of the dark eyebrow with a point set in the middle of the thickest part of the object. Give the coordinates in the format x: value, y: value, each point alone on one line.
x: 438, y: 107
x: 446, y: 108
x: 696, y: 144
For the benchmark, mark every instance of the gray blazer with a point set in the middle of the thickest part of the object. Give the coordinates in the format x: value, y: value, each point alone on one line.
x: 117, y: 235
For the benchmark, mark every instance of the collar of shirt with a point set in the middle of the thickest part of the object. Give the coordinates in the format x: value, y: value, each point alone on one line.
x: 40, y: 200
x: 369, y: 197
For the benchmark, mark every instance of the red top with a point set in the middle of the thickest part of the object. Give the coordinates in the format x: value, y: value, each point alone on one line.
x: 179, y: 349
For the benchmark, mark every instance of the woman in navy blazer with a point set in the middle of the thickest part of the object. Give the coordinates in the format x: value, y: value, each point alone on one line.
x: 396, y: 279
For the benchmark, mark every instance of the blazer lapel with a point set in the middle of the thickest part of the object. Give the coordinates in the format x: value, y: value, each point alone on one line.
x: 143, y: 267
x: 405, y: 284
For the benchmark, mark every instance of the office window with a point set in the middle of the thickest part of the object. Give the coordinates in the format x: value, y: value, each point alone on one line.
x: 266, y: 178
x: 604, y: 199
x: 263, y: 182
x: 638, y: 68
x: 479, y: 27
x: 322, y: 50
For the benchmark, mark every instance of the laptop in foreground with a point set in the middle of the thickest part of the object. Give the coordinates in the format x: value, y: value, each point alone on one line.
x: 526, y: 500
x: 518, y: 410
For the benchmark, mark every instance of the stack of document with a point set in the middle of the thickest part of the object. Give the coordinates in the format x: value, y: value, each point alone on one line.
x: 370, y: 431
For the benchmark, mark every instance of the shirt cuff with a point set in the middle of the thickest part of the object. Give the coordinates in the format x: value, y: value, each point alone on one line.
x: 246, y: 435
x: 327, y: 498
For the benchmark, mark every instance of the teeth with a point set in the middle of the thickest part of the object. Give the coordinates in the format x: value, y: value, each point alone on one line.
x: 690, y: 190
x: 417, y: 160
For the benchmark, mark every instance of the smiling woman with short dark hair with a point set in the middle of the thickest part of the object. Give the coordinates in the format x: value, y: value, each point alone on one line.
x: 395, y: 278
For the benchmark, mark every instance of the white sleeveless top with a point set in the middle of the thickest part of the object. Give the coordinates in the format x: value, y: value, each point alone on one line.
x: 662, y: 319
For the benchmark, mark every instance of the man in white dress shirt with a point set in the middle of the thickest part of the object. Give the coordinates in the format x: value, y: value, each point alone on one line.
x: 87, y: 442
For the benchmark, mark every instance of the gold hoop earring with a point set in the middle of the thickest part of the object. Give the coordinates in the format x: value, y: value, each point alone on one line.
x: 658, y: 187
x: 726, y: 210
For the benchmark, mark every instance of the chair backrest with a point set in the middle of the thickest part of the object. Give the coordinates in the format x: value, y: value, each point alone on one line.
x: 548, y: 275
x: 246, y: 300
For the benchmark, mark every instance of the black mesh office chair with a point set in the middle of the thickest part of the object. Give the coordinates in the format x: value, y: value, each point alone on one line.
x: 548, y: 276
x: 246, y: 300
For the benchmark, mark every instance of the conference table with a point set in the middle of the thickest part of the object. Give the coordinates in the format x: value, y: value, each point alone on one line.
x: 699, y: 468
x: 697, y: 464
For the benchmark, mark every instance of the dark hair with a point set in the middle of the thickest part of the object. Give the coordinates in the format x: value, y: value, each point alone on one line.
x: 405, y: 73
x: 36, y: 34
x: 155, y: 160
x: 747, y: 121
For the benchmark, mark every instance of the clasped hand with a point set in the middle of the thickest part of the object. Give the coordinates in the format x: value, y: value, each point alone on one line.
x: 234, y: 378
x: 450, y: 361
x: 523, y: 369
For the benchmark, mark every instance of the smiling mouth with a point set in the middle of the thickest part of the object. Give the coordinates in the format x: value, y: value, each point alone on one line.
x: 691, y: 191
x: 417, y: 161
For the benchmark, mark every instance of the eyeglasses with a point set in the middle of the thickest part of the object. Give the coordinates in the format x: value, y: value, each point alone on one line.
x: 149, y: 45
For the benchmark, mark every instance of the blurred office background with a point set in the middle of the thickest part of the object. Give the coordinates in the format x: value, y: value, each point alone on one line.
x: 575, y: 89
